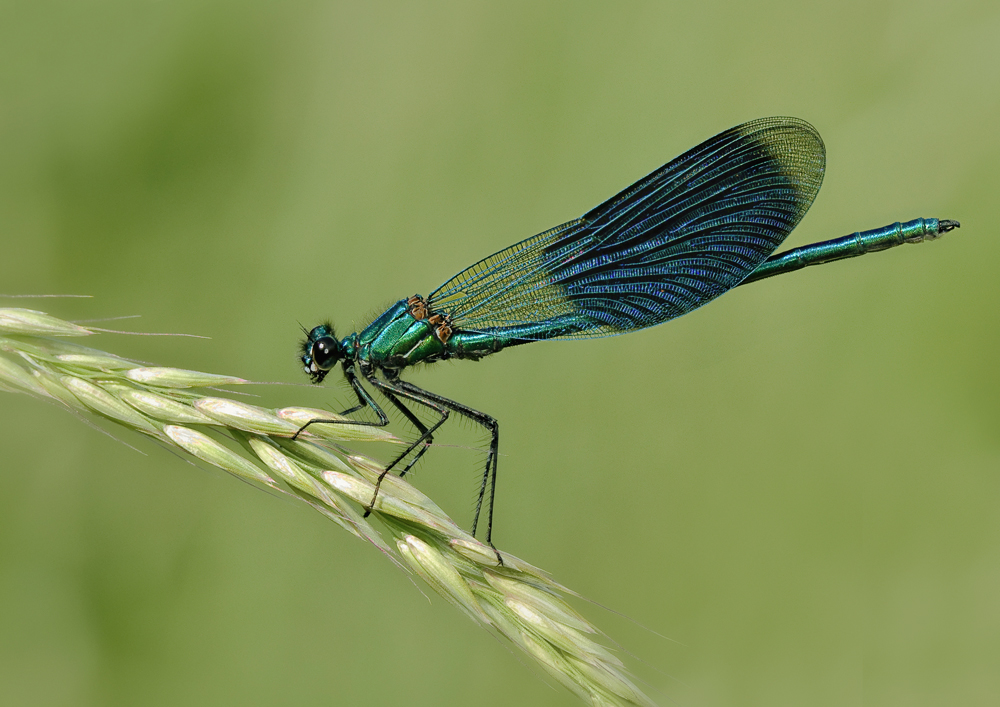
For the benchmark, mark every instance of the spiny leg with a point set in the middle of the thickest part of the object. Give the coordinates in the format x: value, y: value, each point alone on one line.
x: 490, y: 471
x: 415, y: 421
x: 364, y: 400
x: 389, y: 388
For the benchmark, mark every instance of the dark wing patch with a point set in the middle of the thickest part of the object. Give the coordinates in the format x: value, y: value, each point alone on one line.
x: 664, y: 246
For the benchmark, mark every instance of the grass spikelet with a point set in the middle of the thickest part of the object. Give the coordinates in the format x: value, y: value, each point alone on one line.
x: 179, y: 378
x: 515, y: 599
x: 28, y: 321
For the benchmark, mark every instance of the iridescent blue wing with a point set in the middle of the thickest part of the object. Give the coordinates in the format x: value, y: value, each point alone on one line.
x: 669, y: 243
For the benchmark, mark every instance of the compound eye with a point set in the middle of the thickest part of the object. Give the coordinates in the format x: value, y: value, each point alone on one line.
x: 325, y: 353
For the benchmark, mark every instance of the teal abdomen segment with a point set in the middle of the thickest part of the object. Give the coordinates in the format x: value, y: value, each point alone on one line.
x: 476, y: 344
x: 859, y: 243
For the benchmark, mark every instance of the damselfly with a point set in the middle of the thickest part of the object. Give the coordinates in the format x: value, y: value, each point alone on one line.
x: 676, y: 239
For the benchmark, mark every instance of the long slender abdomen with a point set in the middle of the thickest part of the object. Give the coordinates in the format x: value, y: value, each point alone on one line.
x: 860, y: 243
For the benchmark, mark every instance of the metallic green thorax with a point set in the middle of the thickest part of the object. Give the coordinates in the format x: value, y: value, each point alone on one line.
x: 408, y: 333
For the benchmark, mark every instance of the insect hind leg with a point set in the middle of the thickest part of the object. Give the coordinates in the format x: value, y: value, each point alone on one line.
x: 426, y: 435
x: 391, y: 388
x: 490, y: 470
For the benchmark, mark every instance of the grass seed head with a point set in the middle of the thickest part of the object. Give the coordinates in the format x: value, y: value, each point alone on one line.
x: 517, y: 600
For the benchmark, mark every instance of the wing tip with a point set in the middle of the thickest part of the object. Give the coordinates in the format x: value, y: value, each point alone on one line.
x: 796, y: 147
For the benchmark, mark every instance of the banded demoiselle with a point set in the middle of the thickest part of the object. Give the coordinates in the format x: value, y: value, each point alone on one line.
x: 673, y: 241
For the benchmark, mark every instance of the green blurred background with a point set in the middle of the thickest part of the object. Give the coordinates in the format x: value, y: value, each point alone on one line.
x: 799, y: 483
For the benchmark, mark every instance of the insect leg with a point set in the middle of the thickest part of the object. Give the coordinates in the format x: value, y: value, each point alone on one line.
x: 390, y: 388
x: 364, y: 400
x: 490, y: 471
x: 415, y: 421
